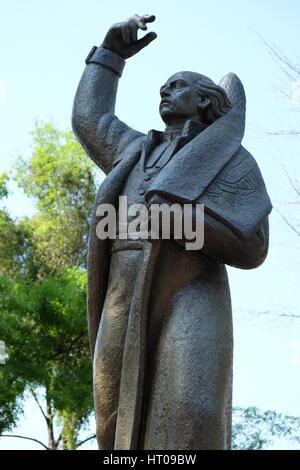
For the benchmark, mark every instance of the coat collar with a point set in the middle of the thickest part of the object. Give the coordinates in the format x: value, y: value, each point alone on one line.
x: 190, y: 130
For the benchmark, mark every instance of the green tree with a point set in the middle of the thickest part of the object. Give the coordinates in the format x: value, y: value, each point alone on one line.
x: 15, y: 252
x: 254, y: 429
x: 60, y: 180
x: 44, y: 328
x: 43, y: 289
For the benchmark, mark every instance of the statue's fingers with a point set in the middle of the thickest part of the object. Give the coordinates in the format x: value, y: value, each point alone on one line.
x: 133, y: 30
x: 126, y: 33
x: 116, y: 28
x: 143, y: 42
x: 149, y: 18
x: 140, y: 22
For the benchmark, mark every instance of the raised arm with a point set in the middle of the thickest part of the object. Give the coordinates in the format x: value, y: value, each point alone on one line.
x: 100, y: 132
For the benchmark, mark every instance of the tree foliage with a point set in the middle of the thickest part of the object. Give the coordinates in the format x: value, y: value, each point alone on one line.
x: 59, y: 178
x: 14, y: 239
x: 44, y: 329
x: 254, y: 429
x: 43, y: 289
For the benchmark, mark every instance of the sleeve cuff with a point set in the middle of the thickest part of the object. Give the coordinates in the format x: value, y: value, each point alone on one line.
x: 106, y: 58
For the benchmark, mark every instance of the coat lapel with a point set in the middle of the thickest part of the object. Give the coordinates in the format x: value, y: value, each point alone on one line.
x: 148, y: 145
x: 191, y: 129
x: 153, y: 139
x: 99, y: 250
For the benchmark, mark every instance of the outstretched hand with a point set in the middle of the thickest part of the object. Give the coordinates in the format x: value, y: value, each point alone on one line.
x: 122, y: 39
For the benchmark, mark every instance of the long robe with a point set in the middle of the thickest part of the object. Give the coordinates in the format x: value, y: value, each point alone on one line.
x: 168, y: 310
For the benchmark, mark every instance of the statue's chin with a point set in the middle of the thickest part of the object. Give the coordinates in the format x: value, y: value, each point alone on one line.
x: 171, y: 119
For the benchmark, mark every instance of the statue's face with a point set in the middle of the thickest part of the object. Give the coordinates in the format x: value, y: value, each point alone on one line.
x: 179, y: 99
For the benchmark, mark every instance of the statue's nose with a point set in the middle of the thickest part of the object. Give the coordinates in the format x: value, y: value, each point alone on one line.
x: 165, y: 91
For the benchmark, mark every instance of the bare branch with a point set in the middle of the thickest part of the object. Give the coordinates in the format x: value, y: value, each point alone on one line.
x: 295, y: 188
x: 281, y: 57
x: 279, y: 314
x: 287, y: 222
x: 39, y: 405
x: 287, y: 132
x: 261, y: 130
x: 58, y: 440
x: 270, y: 317
x: 85, y: 440
x: 23, y: 437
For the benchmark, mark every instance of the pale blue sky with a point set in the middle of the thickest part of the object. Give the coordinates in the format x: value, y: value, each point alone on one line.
x: 43, y: 47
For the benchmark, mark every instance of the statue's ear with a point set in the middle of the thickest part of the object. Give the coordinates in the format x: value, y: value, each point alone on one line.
x: 203, y: 103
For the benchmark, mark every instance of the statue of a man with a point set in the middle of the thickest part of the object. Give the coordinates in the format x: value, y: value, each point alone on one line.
x: 160, y: 321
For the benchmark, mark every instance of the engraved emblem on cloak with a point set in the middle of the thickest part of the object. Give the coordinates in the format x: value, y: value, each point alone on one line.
x: 225, y: 193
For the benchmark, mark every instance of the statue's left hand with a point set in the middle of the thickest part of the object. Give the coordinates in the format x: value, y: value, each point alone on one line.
x: 121, y: 38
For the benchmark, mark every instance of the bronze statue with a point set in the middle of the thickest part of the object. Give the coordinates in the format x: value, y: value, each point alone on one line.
x: 160, y: 321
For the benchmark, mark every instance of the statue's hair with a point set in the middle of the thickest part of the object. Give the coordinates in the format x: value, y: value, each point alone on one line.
x: 219, y: 104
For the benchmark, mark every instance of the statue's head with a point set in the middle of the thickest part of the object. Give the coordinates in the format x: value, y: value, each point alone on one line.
x: 188, y: 95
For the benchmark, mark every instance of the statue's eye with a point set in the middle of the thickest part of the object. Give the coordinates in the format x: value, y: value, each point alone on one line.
x: 179, y: 84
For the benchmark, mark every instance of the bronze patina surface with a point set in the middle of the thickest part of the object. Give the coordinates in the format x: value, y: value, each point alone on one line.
x: 160, y: 321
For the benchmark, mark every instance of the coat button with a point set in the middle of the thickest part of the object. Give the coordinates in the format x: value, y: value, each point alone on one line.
x: 141, y: 192
x: 147, y: 178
